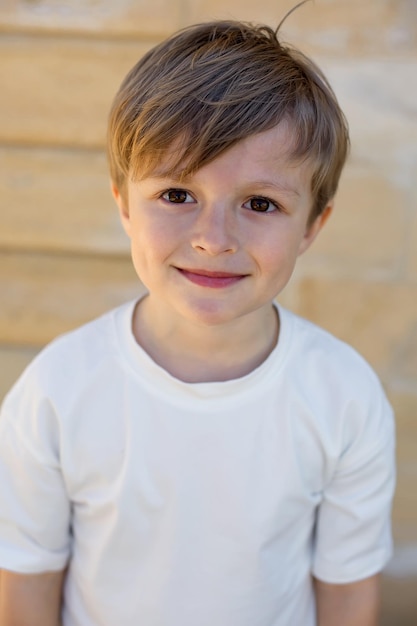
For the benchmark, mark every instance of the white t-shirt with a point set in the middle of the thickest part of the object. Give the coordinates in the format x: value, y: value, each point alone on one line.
x: 208, y: 504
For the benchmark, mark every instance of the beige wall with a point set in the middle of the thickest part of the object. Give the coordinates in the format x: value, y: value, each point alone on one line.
x: 64, y: 259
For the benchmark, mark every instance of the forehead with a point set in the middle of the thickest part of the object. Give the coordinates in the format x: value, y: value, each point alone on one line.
x: 270, y: 150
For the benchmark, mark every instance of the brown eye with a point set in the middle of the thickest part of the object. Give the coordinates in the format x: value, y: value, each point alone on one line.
x: 262, y: 205
x: 177, y: 196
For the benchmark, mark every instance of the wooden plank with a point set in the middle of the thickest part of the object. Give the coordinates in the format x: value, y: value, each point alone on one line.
x: 92, y: 17
x: 45, y: 295
x: 12, y: 363
x: 58, y: 200
x: 58, y: 91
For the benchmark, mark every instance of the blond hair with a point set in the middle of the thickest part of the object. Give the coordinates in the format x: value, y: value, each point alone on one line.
x: 211, y: 85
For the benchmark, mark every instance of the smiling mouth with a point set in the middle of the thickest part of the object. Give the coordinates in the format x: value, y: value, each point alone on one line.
x: 207, y: 278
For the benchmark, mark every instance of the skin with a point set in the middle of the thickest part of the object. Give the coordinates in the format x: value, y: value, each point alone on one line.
x: 30, y: 599
x: 353, y: 604
x: 180, y: 231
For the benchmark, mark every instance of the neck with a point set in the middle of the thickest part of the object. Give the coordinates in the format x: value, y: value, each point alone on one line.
x: 198, y: 353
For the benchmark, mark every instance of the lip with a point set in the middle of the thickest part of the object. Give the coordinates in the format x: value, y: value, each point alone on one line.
x: 208, y: 278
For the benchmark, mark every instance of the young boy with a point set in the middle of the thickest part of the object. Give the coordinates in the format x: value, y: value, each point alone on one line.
x: 203, y: 457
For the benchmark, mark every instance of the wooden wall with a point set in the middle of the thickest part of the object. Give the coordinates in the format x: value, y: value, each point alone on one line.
x: 64, y: 258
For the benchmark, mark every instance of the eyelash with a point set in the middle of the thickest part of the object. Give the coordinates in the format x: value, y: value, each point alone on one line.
x: 174, y: 190
x: 275, y: 205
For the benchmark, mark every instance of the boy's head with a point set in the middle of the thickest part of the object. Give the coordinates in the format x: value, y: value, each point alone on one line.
x: 209, y: 86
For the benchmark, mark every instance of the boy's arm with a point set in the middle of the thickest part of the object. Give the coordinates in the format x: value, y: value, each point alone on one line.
x: 30, y: 599
x: 351, y: 604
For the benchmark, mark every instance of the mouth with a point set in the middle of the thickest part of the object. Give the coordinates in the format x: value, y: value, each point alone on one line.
x: 207, y: 278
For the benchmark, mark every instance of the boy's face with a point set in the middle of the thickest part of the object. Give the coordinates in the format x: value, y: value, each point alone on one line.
x: 223, y: 243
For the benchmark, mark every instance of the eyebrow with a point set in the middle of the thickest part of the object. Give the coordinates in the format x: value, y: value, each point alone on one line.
x: 275, y: 186
x: 268, y: 184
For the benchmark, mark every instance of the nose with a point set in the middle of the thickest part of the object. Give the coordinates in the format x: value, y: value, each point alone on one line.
x: 215, y: 231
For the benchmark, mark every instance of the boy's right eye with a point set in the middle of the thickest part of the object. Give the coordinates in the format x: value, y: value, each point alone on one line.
x: 177, y: 196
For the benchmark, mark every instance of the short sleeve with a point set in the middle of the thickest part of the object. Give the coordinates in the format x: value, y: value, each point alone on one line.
x: 34, y: 508
x: 353, y: 526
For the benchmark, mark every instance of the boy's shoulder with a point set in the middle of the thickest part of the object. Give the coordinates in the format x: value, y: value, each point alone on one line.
x: 324, y: 358
x: 308, y: 336
x: 77, y: 354
x: 335, y: 384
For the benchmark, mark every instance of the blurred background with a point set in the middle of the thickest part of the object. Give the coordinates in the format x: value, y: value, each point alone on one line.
x: 64, y: 258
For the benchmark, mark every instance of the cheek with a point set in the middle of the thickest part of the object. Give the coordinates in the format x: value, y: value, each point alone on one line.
x: 277, y: 252
x: 144, y: 231
x: 152, y: 240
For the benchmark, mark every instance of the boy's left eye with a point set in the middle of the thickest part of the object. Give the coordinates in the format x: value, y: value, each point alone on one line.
x: 177, y: 196
x: 261, y: 205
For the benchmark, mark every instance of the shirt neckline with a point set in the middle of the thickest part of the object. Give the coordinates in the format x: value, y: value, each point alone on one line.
x: 142, y: 367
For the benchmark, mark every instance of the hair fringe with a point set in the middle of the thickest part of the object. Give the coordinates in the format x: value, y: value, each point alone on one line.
x: 207, y: 87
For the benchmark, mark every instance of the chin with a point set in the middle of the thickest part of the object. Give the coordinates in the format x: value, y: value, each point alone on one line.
x: 209, y: 314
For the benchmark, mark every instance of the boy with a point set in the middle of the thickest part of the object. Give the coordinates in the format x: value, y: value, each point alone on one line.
x: 203, y: 457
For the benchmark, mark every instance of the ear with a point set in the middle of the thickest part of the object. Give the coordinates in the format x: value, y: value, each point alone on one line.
x: 315, y: 227
x: 123, y: 207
